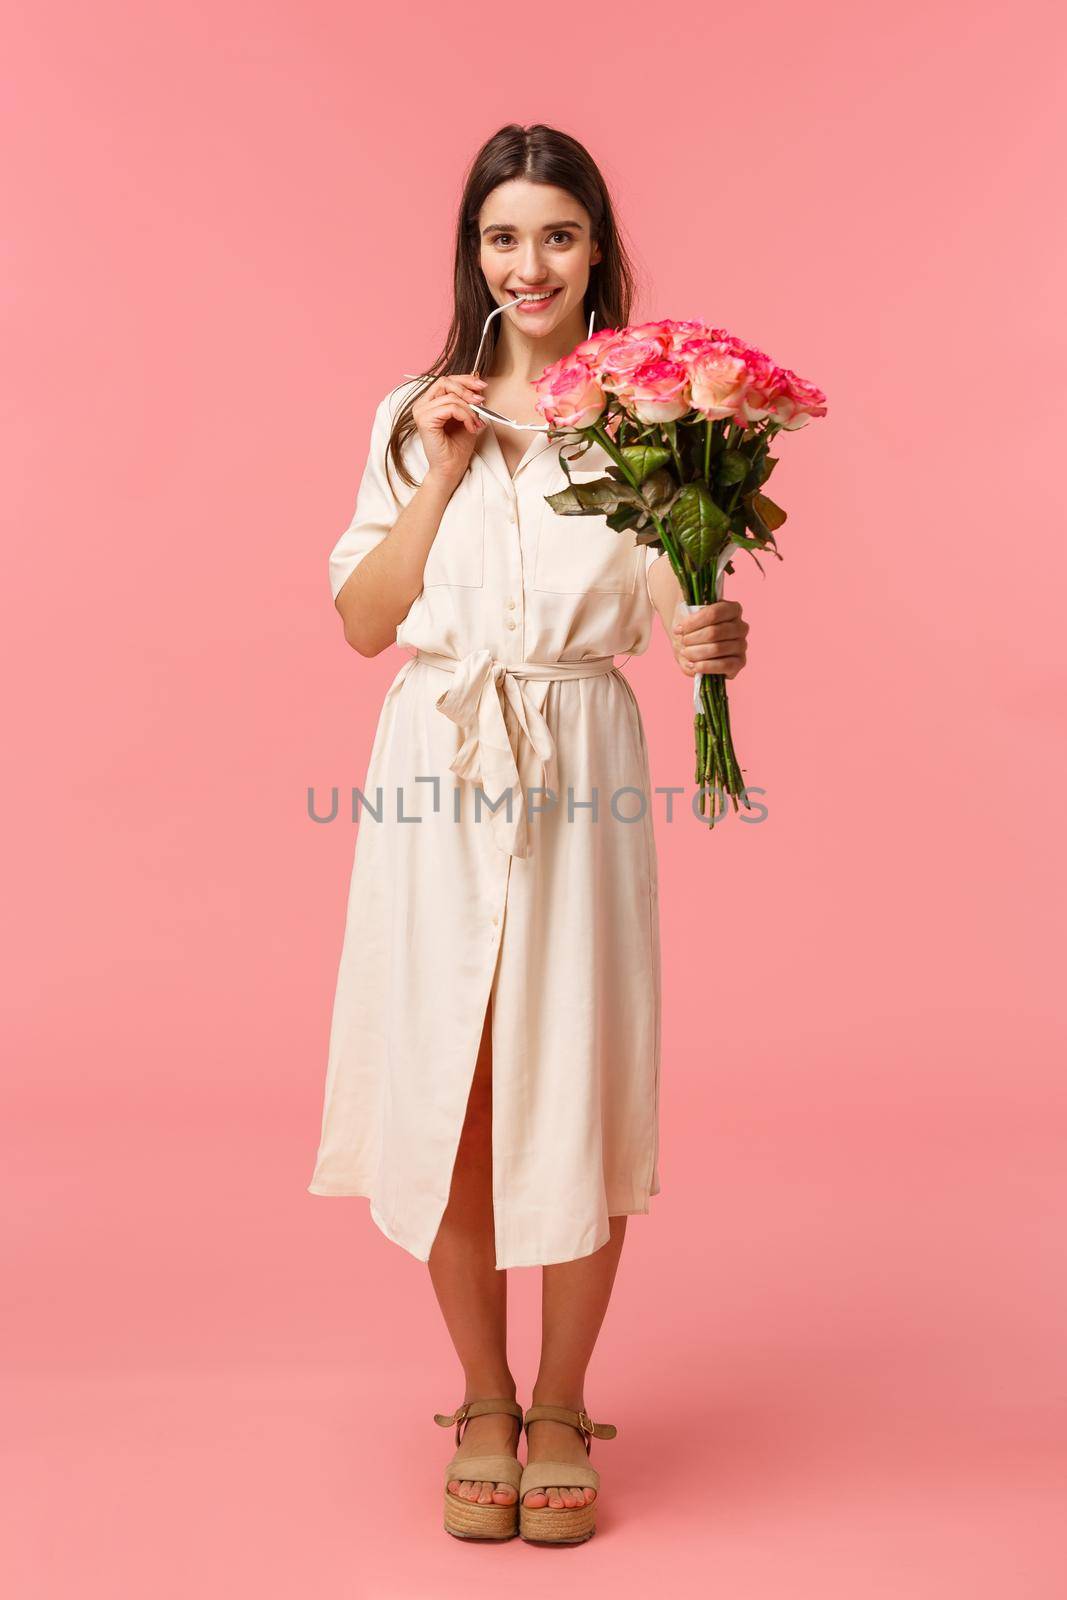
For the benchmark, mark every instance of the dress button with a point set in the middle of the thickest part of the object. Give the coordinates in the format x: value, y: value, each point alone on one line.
x: 495, y: 921
x: 510, y: 604
x: 512, y: 623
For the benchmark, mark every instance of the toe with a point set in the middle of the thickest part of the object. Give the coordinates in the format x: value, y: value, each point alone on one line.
x: 468, y: 1490
x: 573, y: 1497
x: 485, y: 1494
x: 504, y: 1494
x: 555, y: 1499
x: 535, y: 1498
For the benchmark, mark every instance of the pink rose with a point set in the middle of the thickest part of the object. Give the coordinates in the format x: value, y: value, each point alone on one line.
x: 588, y: 352
x: 658, y: 332
x: 797, y: 401
x: 763, y: 388
x: 718, y: 378
x: 568, y: 395
x: 658, y: 392
x: 681, y: 331
x: 622, y: 357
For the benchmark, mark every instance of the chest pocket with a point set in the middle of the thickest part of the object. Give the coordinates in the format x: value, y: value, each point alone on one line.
x: 582, y: 555
x: 457, y: 555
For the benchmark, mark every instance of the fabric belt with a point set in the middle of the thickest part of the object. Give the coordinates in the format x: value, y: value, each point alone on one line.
x: 507, y: 745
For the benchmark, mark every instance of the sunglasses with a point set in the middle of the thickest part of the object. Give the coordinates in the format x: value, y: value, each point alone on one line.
x: 487, y: 411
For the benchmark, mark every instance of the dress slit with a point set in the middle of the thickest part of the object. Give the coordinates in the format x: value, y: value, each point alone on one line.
x: 487, y: 1016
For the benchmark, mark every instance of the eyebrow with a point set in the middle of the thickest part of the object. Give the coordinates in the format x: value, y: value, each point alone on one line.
x: 512, y: 227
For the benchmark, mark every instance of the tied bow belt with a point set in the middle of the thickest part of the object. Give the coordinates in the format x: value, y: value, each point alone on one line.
x: 506, y: 740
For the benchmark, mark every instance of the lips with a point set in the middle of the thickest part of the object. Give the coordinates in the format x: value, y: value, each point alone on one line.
x: 539, y: 297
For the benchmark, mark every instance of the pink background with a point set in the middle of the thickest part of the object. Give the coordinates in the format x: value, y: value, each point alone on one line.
x: 836, y: 1352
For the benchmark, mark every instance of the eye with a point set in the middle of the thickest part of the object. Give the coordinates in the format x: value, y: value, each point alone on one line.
x: 559, y: 233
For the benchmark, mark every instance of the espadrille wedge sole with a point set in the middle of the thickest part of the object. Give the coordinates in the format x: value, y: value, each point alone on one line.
x: 467, y: 1519
x: 561, y: 1524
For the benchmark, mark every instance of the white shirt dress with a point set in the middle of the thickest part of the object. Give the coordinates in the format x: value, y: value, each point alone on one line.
x: 511, y: 699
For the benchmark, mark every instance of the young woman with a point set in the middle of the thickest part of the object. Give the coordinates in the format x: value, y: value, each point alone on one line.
x: 493, y: 1075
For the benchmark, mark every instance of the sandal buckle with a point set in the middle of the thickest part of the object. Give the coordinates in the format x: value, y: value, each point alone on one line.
x: 586, y: 1424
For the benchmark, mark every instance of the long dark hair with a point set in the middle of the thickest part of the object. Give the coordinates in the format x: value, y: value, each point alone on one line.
x: 542, y: 155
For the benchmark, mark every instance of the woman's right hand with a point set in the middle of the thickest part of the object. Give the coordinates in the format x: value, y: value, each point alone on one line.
x: 447, y: 426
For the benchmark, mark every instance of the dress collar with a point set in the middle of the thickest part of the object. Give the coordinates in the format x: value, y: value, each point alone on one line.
x: 488, y: 448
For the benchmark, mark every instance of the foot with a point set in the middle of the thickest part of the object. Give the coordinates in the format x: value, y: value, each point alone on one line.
x: 493, y: 1434
x: 556, y: 1441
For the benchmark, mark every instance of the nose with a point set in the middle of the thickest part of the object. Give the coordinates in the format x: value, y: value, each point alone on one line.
x: 532, y: 269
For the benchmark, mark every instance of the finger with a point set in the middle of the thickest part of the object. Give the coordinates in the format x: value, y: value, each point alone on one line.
x: 441, y: 388
x: 717, y: 611
x: 464, y: 389
x: 719, y: 630
x: 447, y: 410
x: 721, y: 633
x: 431, y: 408
x: 719, y: 667
x: 714, y: 651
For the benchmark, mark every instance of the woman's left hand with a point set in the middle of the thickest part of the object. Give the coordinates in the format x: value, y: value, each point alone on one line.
x: 712, y: 639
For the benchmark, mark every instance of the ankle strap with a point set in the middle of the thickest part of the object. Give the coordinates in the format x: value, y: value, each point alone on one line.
x: 581, y: 1420
x: 478, y: 1408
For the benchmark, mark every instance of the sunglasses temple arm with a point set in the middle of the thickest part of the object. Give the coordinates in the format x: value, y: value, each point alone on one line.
x: 529, y: 427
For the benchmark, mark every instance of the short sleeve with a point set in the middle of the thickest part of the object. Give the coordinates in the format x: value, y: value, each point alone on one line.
x: 379, y: 501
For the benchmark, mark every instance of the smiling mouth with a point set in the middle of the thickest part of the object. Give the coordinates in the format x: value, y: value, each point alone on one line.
x: 530, y: 296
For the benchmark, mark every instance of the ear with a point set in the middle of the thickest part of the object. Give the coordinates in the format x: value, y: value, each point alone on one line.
x: 594, y: 254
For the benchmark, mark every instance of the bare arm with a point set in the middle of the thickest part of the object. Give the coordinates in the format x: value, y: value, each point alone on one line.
x: 378, y: 595
x: 665, y: 590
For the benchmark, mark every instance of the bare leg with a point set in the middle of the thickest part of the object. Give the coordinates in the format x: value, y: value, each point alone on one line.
x: 575, y: 1297
x: 471, y: 1292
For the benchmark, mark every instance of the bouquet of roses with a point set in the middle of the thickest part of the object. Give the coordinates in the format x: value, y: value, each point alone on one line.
x: 687, y: 414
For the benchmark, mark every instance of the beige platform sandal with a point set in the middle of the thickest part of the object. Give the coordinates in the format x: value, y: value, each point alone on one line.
x: 561, y: 1524
x: 466, y: 1519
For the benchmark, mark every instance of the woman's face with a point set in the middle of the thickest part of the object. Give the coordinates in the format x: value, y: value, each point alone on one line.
x: 536, y: 238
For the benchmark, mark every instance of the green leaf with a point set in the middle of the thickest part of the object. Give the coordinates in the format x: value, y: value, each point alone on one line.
x: 700, y: 524
x: 643, y: 460
x: 659, y: 489
x: 755, y: 544
x: 732, y: 467
x: 596, y: 498
x: 626, y: 517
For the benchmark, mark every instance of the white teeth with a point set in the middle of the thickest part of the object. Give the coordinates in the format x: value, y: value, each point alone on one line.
x: 546, y: 296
